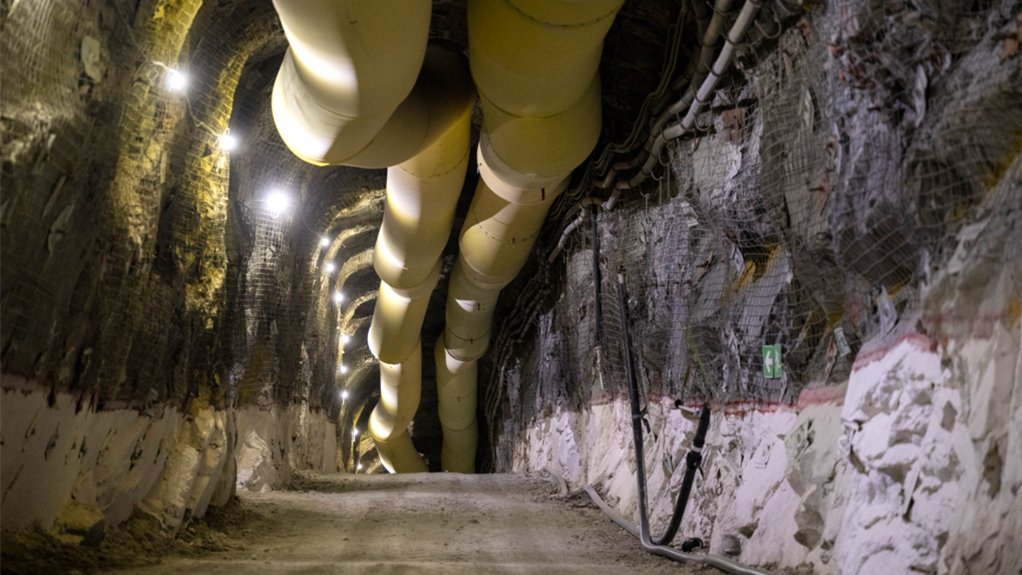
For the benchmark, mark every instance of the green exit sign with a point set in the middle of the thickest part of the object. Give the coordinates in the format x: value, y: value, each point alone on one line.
x: 772, y: 361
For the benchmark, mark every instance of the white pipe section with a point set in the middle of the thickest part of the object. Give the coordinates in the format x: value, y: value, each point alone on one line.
x: 535, y: 66
x: 702, y: 96
x: 332, y: 96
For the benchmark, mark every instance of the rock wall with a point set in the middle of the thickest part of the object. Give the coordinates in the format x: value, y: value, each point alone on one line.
x: 123, y: 383
x: 273, y: 443
x: 73, y: 469
x: 900, y: 470
x: 863, y: 217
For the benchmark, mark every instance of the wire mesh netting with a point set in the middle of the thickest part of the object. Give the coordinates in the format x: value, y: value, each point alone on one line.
x: 119, y: 281
x: 825, y: 183
x: 852, y: 154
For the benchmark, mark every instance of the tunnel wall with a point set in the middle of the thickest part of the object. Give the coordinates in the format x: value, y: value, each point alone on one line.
x: 863, y: 217
x: 69, y: 467
x: 140, y: 371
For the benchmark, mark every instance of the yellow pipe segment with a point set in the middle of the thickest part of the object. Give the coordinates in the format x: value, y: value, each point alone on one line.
x: 399, y: 400
x: 359, y: 87
x: 422, y: 194
x: 399, y: 397
x: 469, y: 316
x: 456, y: 394
x: 397, y: 319
x: 541, y: 148
x: 398, y: 454
x: 535, y: 66
x: 535, y: 58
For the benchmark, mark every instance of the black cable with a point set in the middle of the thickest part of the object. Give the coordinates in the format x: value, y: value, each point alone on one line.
x: 693, y: 459
x: 597, y: 277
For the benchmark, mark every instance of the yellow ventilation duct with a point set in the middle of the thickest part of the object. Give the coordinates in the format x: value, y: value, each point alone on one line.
x: 344, y: 74
x: 388, y: 424
x: 535, y: 66
x: 359, y: 87
x: 422, y: 194
x: 456, y: 390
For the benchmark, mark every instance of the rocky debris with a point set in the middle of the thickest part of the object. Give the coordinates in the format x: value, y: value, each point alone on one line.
x: 78, y: 523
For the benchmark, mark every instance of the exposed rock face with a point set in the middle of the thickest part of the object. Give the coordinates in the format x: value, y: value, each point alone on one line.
x: 71, y: 467
x: 851, y: 194
x: 854, y: 211
x: 137, y: 350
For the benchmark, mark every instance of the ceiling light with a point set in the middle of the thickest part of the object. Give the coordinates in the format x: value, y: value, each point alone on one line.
x: 330, y: 267
x: 175, y: 81
x: 359, y: 467
x: 345, y: 338
x: 344, y: 395
x: 338, y: 296
x: 277, y: 202
x: 324, y: 242
x: 343, y: 369
x: 227, y: 142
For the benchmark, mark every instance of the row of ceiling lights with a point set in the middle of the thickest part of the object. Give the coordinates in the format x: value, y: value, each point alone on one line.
x: 276, y: 203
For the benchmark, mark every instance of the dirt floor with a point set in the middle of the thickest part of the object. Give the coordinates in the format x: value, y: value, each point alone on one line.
x: 421, y: 523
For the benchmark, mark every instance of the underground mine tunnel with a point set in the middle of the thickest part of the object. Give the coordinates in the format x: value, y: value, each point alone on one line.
x: 545, y: 286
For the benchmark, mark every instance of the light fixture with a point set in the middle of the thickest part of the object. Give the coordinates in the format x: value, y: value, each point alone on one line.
x: 354, y: 432
x: 227, y: 142
x: 359, y: 467
x: 344, y: 395
x: 324, y: 242
x: 345, y: 338
x: 343, y: 369
x: 330, y: 267
x: 277, y: 202
x: 338, y: 297
x: 175, y: 80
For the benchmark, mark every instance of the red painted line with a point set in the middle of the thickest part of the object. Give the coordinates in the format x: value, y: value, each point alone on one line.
x: 829, y: 394
x: 880, y: 350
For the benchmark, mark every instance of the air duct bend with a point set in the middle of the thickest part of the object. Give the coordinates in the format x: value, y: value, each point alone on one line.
x: 398, y: 454
x: 350, y: 91
x: 398, y: 399
x: 388, y: 424
x: 332, y: 96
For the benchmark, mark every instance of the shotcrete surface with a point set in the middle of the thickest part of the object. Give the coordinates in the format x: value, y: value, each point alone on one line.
x: 422, y: 523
